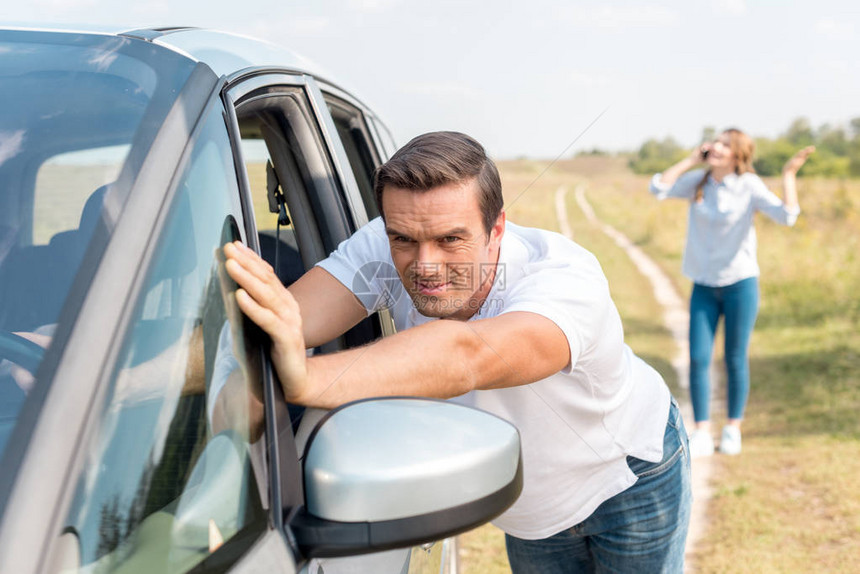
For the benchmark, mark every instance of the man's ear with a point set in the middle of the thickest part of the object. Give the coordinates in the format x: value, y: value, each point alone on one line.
x: 498, y: 230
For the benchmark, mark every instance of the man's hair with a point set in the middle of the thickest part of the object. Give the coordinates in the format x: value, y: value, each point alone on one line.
x: 439, y: 158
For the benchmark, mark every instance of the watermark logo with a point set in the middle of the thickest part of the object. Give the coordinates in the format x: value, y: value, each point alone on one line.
x: 494, y: 272
x: 377, y: 285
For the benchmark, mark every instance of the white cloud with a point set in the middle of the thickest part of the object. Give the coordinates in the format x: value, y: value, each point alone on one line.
x: 286, y: 29
x: 609, y: 17
x: 152, y: 9
x: 308, y: 25
x: 372, y: 5
x: 65, y: 5
x: 833, y: 28
x: 584, y: 80
x: 446, y: 90
x: 730, y: 7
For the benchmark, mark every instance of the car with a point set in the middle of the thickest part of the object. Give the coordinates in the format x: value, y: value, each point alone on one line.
x: 142, y: 428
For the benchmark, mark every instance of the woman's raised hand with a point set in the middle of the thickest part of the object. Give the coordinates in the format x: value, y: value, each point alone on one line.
x: 796, y: 161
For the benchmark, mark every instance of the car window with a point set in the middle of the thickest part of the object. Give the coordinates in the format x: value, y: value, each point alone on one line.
x: 77, y: 112
x: 171, y: 474
x: 358, y: 144
x: 66, y: 181
x: 274, y: 220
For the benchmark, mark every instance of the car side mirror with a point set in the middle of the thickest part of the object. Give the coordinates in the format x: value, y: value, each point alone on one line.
x: 390, y: 473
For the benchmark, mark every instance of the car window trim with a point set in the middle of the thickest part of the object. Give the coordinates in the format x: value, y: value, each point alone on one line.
x: 374, y: 124
x: 339, y: 159
x: 280, y: 441
x: 360, y: 116
x: 336, y: 222
x: 240, y: 86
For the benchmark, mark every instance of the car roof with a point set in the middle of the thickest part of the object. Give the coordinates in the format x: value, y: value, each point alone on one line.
x: 226, y: 53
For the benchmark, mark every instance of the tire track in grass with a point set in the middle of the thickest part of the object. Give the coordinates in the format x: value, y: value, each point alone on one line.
x: 676, y: 318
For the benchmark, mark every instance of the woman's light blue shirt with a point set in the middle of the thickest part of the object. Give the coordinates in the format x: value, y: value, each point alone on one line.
x: 721, y: 239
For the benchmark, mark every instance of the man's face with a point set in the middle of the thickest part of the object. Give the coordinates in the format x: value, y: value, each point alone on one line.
x: 439, y: 246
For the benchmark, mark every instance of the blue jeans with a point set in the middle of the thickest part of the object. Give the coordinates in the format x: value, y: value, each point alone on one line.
x: 642, y: 529
x: 738, y: 303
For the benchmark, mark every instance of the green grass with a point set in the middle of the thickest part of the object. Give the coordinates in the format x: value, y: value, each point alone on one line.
x: 790, y: 500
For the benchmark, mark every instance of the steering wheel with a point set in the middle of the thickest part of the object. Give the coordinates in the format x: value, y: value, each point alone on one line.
x: 21, y: 351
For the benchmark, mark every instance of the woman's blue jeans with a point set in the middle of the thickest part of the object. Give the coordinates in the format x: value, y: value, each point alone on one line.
x: 643, y: 529
x: 738, y: 304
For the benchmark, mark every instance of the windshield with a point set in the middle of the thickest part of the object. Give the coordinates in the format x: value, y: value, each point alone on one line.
x: 78, y: 114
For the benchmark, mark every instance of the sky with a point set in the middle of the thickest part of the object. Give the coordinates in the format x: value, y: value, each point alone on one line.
x: 546, y: 78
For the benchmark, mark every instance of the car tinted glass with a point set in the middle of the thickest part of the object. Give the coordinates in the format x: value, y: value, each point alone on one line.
x: 78, y: 114
x: 173, y: 472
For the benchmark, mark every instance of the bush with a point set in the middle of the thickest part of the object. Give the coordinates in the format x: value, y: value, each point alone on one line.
x: 654, y: 156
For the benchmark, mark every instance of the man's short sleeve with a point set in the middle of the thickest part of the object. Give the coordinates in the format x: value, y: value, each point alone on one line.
x: 363, y: 265
x: 576, y: 299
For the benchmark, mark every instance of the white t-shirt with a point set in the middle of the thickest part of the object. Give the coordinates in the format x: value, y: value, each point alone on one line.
x: 577, y: 426
x: 721, y: 241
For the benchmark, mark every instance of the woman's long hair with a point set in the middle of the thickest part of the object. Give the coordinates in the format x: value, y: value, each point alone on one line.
x: 742, y: 147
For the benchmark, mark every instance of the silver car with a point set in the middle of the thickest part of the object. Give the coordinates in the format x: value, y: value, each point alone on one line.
x: 141, y: 426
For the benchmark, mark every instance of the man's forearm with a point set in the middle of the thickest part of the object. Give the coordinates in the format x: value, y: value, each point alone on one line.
x: 439, y: 359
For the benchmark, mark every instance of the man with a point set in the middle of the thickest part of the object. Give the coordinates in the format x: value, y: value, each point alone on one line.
x: 512, y: 320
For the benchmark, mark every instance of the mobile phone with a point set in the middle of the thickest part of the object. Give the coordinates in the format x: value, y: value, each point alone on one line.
x: 705, y: 153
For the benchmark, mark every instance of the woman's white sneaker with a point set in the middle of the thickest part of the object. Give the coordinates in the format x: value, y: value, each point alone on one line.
x: 701, y: 443
x: 730, y: 441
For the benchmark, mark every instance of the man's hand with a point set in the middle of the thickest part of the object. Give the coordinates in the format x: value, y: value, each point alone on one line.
x: 263, y: 298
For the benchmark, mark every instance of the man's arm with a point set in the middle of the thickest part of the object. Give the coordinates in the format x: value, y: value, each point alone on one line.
x: 439, y: 359
x: 328, y: 308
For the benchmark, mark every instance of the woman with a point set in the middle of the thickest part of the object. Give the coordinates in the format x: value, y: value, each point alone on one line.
x: 720, y: 258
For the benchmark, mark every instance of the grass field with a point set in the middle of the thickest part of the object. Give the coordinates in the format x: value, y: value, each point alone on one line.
x: 790, y: 502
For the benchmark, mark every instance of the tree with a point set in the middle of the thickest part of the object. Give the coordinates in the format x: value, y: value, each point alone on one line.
x: 855, y: 129
x: 800, y: 133
x: 656, y: 155
x: 832, y: 140
x: 771, y: 155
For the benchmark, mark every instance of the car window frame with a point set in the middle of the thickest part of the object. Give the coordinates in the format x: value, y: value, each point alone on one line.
x: 282, y: 454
